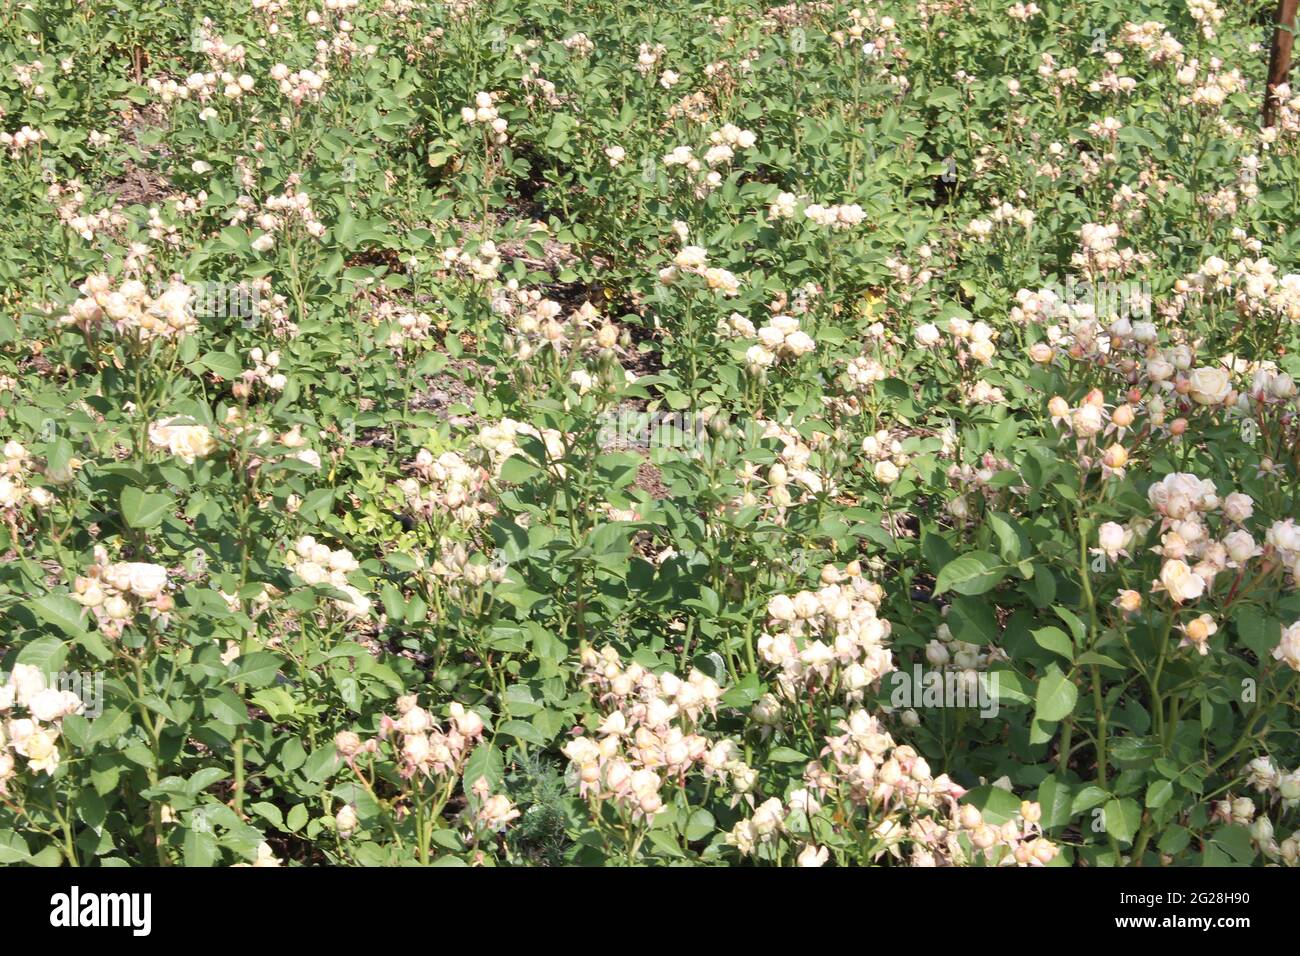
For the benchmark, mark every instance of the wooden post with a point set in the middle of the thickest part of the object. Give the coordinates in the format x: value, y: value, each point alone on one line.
x: 1279, y: 60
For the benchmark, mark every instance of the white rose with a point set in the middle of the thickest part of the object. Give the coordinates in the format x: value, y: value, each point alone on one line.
x: 1209, y: 386
x: 147, y: 580
x: 927, y: 335
x: 886, y: 472
x: 1179, y: 581
x: 1111, y: 537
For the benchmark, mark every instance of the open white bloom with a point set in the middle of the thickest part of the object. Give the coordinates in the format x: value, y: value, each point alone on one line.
x: 1209, y: 386
x: 186, y: 441
x: 1288, y: 648
x: 1180, y: 582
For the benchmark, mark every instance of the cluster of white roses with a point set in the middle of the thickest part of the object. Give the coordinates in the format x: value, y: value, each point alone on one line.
x: 282, y: 211
x: 130, y: 309
x: 1099, y: 251
x: 484, y: 113
x: 21, y: 141
x: 448, y: 485
x: 404, y: 324
x: 422, y: 746
x: 773, y: 823
x: 70, y: 200
x: 1153, y: 39
x: 725, y: 141
x: 1253, y: 284
x: 886, y: 456
x: 648, y: 734
x: 425, y: 751
x: 864, y: 371
x: 1280, y: 791
x: 1193, y: 558
x: 34, y: 736
x: 492, y: 812
x: 264, y: 372
x: 317, y: 564
x: 911, y: 815
x: 500, y: 443
x: 693, y: 260
x: 540, y: 324
x: 15, y: 490
x: 830, y: 640
x: 579, y: 44
x: 914, y: 812
x: 116, y: 591
x: 1288, y: 112
x: 1090, y: 423
x: 202, y: 87
x: 961, y: 657
x: 481, y: 265
x: 837, y: 217
x: 1003, y: 213
x: 237, y: 430
x: 791, y: 479
x: 780, y: 338
x: 299, y: 86
x: 648, y: 55
x: 973, y: 339
x: 458, y: 569
x: 1193, y: 553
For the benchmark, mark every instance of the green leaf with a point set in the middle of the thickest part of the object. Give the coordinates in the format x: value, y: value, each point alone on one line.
x: 1158, y: 793
x: 700, y: 825
x: 258, y: 669
x: 61, y: 611
x: 1088, y: 797
x: 1056, y: 695
x: 1055, y: 640
x: 199, y: 848
x: 523, y: 731
x: 485, y: 763
x: 1054, y: 797
x: 13, y: 848
x: 46, y: 654
x: 224, y: 364
x: 943, y: 96
x: 1234, y: 844
x: 972, y: 573
x: 227, y: 708
x: 1258, y: 632
x: 1175, y: 840
x: 322, y: 764
x: 786, y: 755
x: 142, y: 509
x: 1076, y: 626
x: 972, y: 620
x: 1122, y: 818
x: 1008, y: 538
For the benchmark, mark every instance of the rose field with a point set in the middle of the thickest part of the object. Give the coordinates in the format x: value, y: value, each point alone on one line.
x: 572, y: 433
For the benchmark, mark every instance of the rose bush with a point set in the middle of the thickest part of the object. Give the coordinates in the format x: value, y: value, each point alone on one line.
x: 522, y: 432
